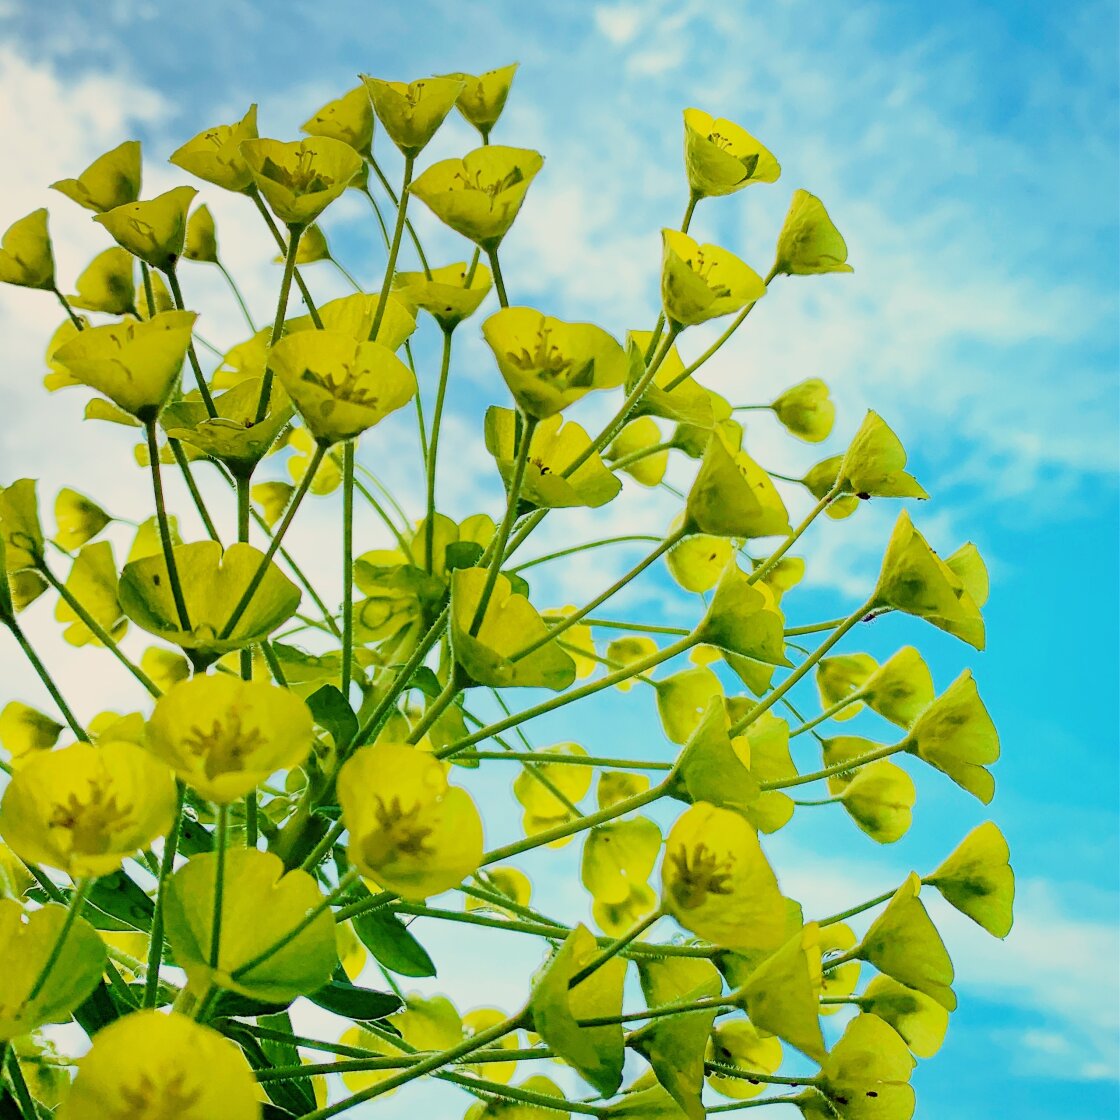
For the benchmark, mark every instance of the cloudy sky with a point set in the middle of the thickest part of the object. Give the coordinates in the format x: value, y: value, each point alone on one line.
x: 968, y: 153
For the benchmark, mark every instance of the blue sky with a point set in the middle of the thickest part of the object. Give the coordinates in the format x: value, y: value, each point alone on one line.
x: 967, y: 151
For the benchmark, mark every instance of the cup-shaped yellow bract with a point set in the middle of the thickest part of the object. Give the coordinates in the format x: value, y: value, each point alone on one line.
x: 79, y: 519
x: 235, y: 435
x: 155, y: 230
x: 625, y: 651
x: 479, y: 195
x: 640, y: 439
x: 510, y: 624
x: 412, y: 112
x: 957, y: 736
x: 698, y: 561
x: 110, y: 181
x: 732, y: 496
x: 201, y: 243
x: 24, y: 731
x: 26, y: 945
x: 842, y: 678
x: 547, y: 791
x: 409, y: 829
x: 213, y: 584
x: 84, y: 809
x: 483, y: 96
x: 738, y: 1043
x: 446, y: 295
x: 93, y: 582
x: 348, y: 118
x: 215, y: 154
x: 717, y: 883
x: 920, y: 1020
x: 618, y: 858
x: 299, y: 180
x: 26, y: 257
x: 873, y: 465
x: 916, y: 580
x: 354, y: 315
x: 20, y: 530
x: 866, y: 1075
x: 701, y: 282
x: 821, y: 478
x: 554, y: 447
x: 148, y: 1064
x: 340, y: 387
x: 224, y: 736
x: 806, y: 410
x: 135, y: 364
x: 548, y: 363
x: 743, y: 618
x: 720, y: 157
x: 809, y: 243
x: 841, y: 981
x: 901, y: 688
x: 312, y: 247
x: 977, y: 879
x: 880, y: 799
x: 107, y: 283
x: 968, y: 566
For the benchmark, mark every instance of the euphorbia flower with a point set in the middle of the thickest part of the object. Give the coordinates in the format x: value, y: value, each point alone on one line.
x: 809, y: 243
x: 107, y: 283
x: 301, y: 179
x: 701, y: 282
x: 918, y: 1018
x: 479, y: 195
x: 154, y: 230
x: 977, y: 879
x: 340, y: 387
x: 26, y: 257
x: 84, y: 809
x: 224, y: 736
x: 548, y: 363
x: 25, y: 731
x: 721, y: 157
x: 412, y: 112
x: 409, y: 829
x: 484, y: 97
x: 740, y: 1044
x: 546, y: 791
x: 806, y: 410
x: 110, y: 181
x: 201, y: 243
x: 866, y: 1075
x: 348, y: 118
x: 148, y: 1064
x: 873, y: 465
x: 445, y: 295
x: 135, y: 364
x: 215, y: 154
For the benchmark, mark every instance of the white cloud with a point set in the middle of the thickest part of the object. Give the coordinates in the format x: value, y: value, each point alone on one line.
x: 619, y: 23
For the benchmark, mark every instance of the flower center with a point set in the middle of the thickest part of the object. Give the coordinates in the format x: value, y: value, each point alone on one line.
x: 92, y: 823
x: 400, y: 833
x: 148, y: 1100
x: 302, y: 178
x: 547, y: 361
x: 225, y: 746
x: 344, y: 387
x: 699, y: 873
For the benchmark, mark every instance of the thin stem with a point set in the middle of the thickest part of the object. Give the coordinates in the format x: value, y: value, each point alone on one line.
x: 9, y: 1059
x: 839, y: 768
x: 626, y: 539
x: 726, y: 1070
x: 408, y: 225
x: 347, y: 565
x: 632, y: 627
x: 294, y: 234
x: 544, y: 757
x: 394, y: 249
x: 437, y: 418
x: 166, y: 867
x: 380, y: 217
x: 624, y: 461
x: 149, y: 292
x: 757, y: 1102
x: 678, y: 1007
x: 77, y: 899
x: 844, y: 915
x: 854, y: 954
x: 686, y: 221
x: 47, y: 679
x: 192, y: 355
x: 346, y: 275
x: 789, y: 542
x: 221, y: 838
x: 379, y: 509
x: 499, y: 282
x: 439, y: 705
x: 68, y: 309
x: 238, y: 296
x: 192, y: 486
x: 827, y: 714
x: 164, y: 528
x: 814, y: 628
x: 324, y: 846
x: 615, y: 947
x: 278, y: 237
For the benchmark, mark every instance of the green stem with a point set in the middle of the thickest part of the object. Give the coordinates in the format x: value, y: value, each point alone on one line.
x: 439, y: 705
x: 678, y: 1007
x: 396, y: 202
x: 9, y: 1061
x: 192, y: 486
x: 221, y: 838
x: 347, y: 566
x: 394, y: 249
x: 437, y: 418
x: 238, y: 296
x: 68, y: 309
x: 789, y: 542
x: 246, y: 655
x: 192, y: 354
x: 77, y: 898
x: 164, y: 528
x: 167, y: 866
x: 624, y: 461
x: 544, y: 757
x: 149, y: 293
x: 827, y: 714
x: 686, y: 221
x: 379, y: 509
x: 692, y: 367
x: 630, y: 627
x: 814, y: 628
x: 278, y: 237
x: 626, y: 539
x: 329, y: 840
x: 294, y: 234
x: 615, y: 947
x: 47, y: 679
x: 757, y: 1102
x: 844, y: 915
x: 346, y: 275
x: 380, y: 217
x: 499, y: 282
x: 854, y: 954
x: 839, y: 768
x: 726, y: 1070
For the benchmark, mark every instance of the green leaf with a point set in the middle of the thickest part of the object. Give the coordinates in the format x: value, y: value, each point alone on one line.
x: 333, y: 713
x: 352, y: 1002
x: 392, y: 945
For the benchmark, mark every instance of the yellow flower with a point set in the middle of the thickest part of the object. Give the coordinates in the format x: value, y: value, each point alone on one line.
x: 483, y: 98
x: 224, y: 736
x: 25, y: 731
x: 148, y: 1065
x: 717, y: 882
x: 546, y: 791
x: 348, y: 118
x: 618, y: 858
x: 412, y: 112
x: 740, y: 1044
x: 110, y: 181
x: 301, y: 179
x: 353, y: 316
x: 872, y: 465
x: 93, y: 582
x: 445, y: 295
x: 640, y: 435
x: 977, y: 879
x: 26, y: 257
x: 135, y: 364
x: 201, y: 243
x: 809, y: 243
x: 866, y: 1075
x: 479, y: 195
x: 107, y: 283
x: 341, y: 387
x: 84, y: 809
x: 701, y: 282
x: 806, y: 410
x: 721, y: 157
x: 215, y: 154
x: 547, y: 363
x: 164, y: 666
x: 154, y: 230
x: 920, y: 1020
x: 409, y: 830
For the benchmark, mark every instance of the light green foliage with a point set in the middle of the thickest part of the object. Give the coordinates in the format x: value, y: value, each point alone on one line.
x: 298, y: 782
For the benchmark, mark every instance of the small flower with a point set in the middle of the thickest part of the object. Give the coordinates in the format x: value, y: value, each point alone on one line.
x: 151, y: 1065
x: 901, y: 688
x: 479, y: 195
x: 348, y: 118
x: 110, y: 181
x: 412, y: 112
x: 484, y: 97
x: 25, y: 731
x: 84, y: 809
x: 717, y: 882
x: 873, y: 465
x: 409, y: 829
x: 701, y: 282
x: 640, y: 435
x: 301, y: 179
x: 547, y: 363
x: 93, y: 582
x: 721, y: 157
x: 977, y: 879
x: 107, y: 283
x: 340, y: 387
x: 135, y: 364
x: 618, y: 858
x: 445, y: 295
x: 353, y: 316
x: 215, y: 154
x: 224, y: 736
x: 806, y: 410
x: 201, y: 243
x: 809, y: 243
x: 79, y: 519
x: 880, y: 799
x: 546, y: 791
x: 154, y: 230
x: 26, y: 257
x: 740, y: 1044
x: 920, y: 1020
x: 312, y: 247
x: 866, y: 1075
x: 744, y: 619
